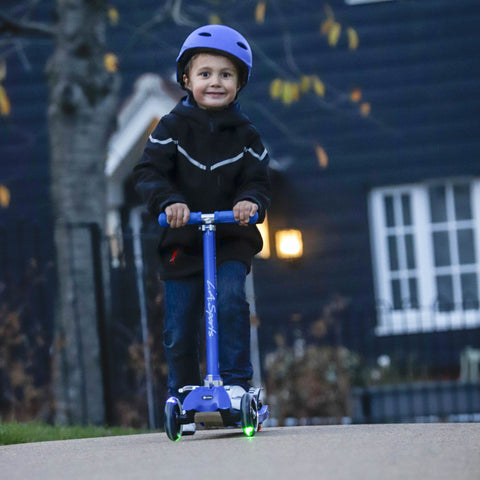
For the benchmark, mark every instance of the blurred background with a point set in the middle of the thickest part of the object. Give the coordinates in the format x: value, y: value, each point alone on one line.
x: 365, y: 299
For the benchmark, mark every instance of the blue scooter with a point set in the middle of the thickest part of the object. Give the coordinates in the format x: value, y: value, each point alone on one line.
x: 210, y: 405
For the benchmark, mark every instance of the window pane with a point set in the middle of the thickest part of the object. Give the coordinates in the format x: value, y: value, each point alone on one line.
x: 461, y: 194
x: 438, y: 204
x: 389, y: 214
x: 410, y: 251
x: 441, y: 249
x: 445, y: 292
x: 392, y: 252
x: 469, y: 290
x: 466, y: 251
x: 406, y: 210
x: 396, y: 295
x: 412, y: 286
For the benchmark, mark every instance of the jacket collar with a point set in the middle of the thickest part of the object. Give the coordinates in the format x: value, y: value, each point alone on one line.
x: 214, y: 119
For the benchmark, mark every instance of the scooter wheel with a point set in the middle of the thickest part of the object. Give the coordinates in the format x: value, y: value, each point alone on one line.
x: 173, y: 427
x: 249, y: 414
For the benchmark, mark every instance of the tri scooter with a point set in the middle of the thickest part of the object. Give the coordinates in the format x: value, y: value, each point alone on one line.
x: 210, y: 404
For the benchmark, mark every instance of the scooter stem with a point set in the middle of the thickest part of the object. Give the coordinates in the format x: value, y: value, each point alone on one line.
x: 211, y: 319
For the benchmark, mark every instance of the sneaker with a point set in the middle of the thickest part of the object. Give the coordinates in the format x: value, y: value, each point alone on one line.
x: 235, y: 392
x: 188, y: 429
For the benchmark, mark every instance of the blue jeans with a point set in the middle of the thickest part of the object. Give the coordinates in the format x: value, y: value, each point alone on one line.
x: 184, y: 310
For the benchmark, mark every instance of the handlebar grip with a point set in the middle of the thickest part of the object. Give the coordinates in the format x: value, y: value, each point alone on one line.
x: 225, y: 216
x: 228, y: 217
x: 195, y: 218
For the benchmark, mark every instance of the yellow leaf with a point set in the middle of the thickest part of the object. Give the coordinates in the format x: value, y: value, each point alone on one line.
x: 276, y: 88
x: 295, y: 92
x: 352, y: 38
x: 290, y: 93
x: 111, y: 62
x: 215, y: 19
x: 4, y: 196
x: 113, y: 15
x: 365, y: 109
x: 334, y: 34
x: 318, y: 86
x: 5, y: 107
x: 322, y: 157
x: 3, y: 70
x: 260, y: 12
x: 305, y: 83
x: 326, y: 26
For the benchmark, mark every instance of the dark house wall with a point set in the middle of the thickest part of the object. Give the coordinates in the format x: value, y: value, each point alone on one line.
x: 416, y: 69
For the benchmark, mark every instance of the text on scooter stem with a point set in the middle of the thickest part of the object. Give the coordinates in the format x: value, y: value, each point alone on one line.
x: 211, y: 308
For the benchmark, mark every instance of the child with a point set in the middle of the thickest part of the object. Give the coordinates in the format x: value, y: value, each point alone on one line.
x: 206, y: 156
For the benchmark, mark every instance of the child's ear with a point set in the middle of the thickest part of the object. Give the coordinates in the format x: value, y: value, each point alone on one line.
x: 185, y: 81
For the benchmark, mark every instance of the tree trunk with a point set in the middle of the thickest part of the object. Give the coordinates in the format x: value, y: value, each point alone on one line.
x: 81, y: 113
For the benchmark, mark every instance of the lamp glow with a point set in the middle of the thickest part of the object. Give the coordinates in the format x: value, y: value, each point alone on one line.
x: 289, y: 244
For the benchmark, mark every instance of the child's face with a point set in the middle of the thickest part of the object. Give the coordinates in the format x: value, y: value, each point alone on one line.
x: 213, y: 80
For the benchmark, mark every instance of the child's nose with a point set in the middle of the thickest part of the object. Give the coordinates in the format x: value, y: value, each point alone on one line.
x: 215, y: 79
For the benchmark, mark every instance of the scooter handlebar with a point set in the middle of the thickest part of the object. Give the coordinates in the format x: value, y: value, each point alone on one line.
x: 196, y: 218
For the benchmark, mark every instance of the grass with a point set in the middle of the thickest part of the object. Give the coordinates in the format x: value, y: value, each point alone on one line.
x: 13, y: 433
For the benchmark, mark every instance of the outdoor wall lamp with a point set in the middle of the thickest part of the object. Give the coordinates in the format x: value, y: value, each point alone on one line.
x: 289, y: 244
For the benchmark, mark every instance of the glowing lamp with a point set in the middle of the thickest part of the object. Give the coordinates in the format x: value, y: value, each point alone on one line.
x: 289, y: 244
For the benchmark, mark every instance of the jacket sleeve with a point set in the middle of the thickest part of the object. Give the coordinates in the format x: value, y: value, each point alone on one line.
x: 154, y: 173
x: 255, y: 181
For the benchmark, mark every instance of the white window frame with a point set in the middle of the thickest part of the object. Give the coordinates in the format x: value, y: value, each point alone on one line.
x: 426, y: 316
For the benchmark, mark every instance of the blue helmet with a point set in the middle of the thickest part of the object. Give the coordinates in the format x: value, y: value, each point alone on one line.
x: 221, y: 39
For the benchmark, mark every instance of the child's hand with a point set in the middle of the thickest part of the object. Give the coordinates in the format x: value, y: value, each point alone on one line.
x: 177, y: 215
x: 243, y: 210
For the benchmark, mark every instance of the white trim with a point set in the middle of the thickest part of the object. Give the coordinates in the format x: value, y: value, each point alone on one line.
x: 227, y: 161
x: 256, y: 155
x: 190, y: 159
x: 162, y: 142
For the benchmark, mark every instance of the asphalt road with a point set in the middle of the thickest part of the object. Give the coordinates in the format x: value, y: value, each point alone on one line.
x: 353, y: 452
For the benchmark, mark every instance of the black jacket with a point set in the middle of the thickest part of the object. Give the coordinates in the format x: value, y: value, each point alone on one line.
x: 209, y: 160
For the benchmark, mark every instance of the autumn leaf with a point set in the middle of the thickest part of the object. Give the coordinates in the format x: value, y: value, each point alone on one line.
x: 276, y: 88
x: 326, y: 26
x: 322, y: 157
x: 356, y: 95
x: 305, y: 83
x: 215, y: 19
x: 260, y: 12
x: 111, y: 62
x: 290, y: 93
x: 365, y: 109
x: 318, y: 86
x: 5, y: 107
x: 4, y: 196
x: 352, y: 38
x: 334, y: 34
x: 113, y: 15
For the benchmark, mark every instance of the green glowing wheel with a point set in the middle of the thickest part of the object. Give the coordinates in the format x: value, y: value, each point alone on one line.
x: 249, y: 414
x: 173, y: 427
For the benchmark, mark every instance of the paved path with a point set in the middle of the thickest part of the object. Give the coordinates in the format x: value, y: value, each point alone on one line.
x: 354, y: 452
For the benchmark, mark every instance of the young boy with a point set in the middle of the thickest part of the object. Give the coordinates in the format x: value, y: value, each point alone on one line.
x: 206, y: 156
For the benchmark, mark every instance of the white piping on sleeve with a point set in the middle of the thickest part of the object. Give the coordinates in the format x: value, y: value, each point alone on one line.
x: 162, y: 142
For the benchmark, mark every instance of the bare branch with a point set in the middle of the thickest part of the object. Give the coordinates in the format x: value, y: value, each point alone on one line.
x: 24, y: 27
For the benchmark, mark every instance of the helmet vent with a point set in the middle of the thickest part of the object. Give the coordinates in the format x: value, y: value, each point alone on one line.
x: 205, y: 34
x: 242, y: 45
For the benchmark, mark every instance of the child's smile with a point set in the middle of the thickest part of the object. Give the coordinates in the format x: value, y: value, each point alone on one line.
x: 213, y: 80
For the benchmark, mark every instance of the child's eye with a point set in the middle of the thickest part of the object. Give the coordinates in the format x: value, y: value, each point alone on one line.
x: 226, y: 74
x: 204, y: 74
